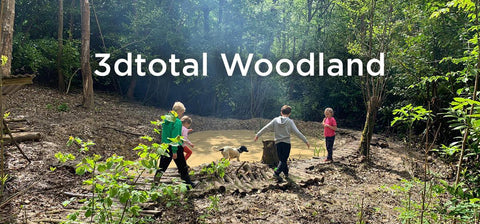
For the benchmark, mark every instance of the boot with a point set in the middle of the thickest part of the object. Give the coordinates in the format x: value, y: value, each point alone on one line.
x: 157, y: 177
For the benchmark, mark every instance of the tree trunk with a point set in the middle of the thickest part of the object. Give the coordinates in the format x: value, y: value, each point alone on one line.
x: 85, y: 56
x: 367, y: 133
x: 206, y: 23
x: 270, y: 156
x: 22, y: 136
x: 7, y: 34
x: 131, y: 88
x: 70, y: 33
x: 7, y: 16
x: 61, y: 81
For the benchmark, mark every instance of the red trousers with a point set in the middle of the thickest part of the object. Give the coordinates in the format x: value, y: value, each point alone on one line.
x: 188, y: 152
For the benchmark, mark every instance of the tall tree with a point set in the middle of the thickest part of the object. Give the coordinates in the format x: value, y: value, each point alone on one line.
x: 85, y: 56
x: 61, y: 81
x: 373, y: 25
x: 7, y: 21
x: 7, y: 16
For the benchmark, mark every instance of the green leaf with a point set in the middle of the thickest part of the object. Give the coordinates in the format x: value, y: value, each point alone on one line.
x: 474, y: 200
x: 124, y: 197
x: 102, y: 167
x: 80, y: 170
x: 89, y: 212
x: 148, y: 138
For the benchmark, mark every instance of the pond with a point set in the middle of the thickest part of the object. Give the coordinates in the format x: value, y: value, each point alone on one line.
x: 207, y: 144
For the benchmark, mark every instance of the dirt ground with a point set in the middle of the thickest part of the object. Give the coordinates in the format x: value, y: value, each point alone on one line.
x: 349, y: 187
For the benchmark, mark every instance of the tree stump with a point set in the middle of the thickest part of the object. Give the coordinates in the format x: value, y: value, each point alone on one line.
x: 270, y: 156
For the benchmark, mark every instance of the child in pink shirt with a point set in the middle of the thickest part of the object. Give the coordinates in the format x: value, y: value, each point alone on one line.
x: 329, y: 127
x: 186, y: 122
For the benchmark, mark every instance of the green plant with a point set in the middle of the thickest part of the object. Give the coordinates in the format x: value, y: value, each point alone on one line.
x: 409, y: 115
x: 217, y: 169
x: 172, y: 194
x: 4, y: 60
x: 63, y: 107
x: 361, y: 212
x: 3, y: 180
x: 411, y: 207
x: 318, y: 149
x: 115, y: 196
x: 213, y: 203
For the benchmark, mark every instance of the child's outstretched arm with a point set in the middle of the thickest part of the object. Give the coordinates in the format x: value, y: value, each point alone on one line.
x: 265, y: 128
x: 298, y: 133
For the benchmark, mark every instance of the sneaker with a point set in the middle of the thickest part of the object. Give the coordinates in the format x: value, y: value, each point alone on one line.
x: 157, y: 177
x: 328, y: 160
x: 191, y: 185
x: 289, y: 179
x: 277, y: 178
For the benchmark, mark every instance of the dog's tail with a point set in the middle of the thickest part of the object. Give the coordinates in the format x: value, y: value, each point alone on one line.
x: 217, y: 148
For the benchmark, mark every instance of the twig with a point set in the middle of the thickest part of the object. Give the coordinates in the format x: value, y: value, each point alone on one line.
x: 50, y: 220
x: 130, y: 199
x: 99, y: 29
x: 18, y: 193
x: 15, y: 119
x: 150, y: 212
x: 70, y: 80
x: 9, y: 132
x: 71, y: 194
x: 236, y: 172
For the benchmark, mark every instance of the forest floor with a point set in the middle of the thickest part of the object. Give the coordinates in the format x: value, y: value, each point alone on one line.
x: 348, y: 187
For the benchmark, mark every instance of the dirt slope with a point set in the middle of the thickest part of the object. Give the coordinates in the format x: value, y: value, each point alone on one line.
x: 115, y: 126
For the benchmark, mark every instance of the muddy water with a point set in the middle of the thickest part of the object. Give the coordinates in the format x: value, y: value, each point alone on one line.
x: 207, y: 142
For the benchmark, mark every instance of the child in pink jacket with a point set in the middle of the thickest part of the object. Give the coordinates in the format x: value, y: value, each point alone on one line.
x: 186, y: 123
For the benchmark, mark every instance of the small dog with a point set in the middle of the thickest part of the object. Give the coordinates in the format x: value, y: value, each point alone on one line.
x: 230, y: 152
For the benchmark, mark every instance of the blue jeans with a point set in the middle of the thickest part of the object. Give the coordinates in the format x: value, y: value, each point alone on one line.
x: 329, y: 143
x: 283, y: 151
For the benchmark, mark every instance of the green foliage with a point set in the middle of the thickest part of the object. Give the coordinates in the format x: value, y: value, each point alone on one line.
x: 409, y: 114
x: 409, y: 192
x: 214, y: 199
x: 4, y: 179
x: 171, y: 195
x: 4, y: 60
x: 64, y: 157
x: 35, y: 55
x: 464, y: 202
x: 217, y: 169
x: 318, y: 149
x: 115, y: 196
x: 63, y: 107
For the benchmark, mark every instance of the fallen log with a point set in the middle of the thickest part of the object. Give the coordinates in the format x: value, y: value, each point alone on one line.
x: 22, y: 136
x: 24, y: 129
x: 79, y: 195
x: 15, y: 119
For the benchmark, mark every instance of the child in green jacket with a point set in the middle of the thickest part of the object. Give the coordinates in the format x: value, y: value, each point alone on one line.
x: 172, y: 128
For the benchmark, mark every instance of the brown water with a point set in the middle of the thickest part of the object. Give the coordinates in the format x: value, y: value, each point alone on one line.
x: 207, y: 142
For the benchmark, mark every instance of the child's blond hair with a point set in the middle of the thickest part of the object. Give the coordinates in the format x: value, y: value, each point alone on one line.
x: 186, y: 120
x: 178, y: 106
x: 329, y: 110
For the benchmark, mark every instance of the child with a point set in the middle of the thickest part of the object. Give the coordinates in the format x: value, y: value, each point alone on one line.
x: 282, y: 126
x: 186, y: 123
x: 329, y: 127
x: 172, y: 128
